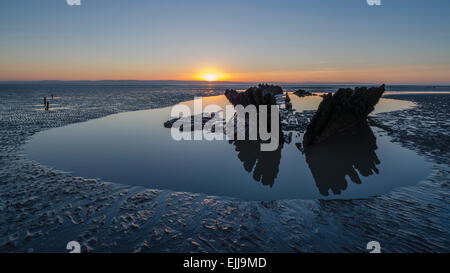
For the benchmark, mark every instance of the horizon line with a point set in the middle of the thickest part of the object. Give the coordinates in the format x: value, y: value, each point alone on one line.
x: 208, y: 82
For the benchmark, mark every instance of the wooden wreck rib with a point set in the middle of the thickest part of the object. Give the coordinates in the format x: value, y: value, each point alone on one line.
x: 342, y: 112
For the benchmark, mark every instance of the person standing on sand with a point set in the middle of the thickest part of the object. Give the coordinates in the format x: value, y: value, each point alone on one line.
x: 45, y: 101
x: 47, y: 106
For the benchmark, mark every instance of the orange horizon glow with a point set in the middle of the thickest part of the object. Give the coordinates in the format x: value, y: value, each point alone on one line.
x: 210, y: 75
x: 389, y: 75
x: 110, y: 69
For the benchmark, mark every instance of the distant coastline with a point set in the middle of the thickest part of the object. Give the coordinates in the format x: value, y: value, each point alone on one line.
x: 179, y: 82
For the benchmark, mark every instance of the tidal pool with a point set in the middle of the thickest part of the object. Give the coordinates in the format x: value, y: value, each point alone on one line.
x: 134, y: 148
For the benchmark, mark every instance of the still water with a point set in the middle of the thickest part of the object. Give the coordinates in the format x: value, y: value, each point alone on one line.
x: 134, y: 148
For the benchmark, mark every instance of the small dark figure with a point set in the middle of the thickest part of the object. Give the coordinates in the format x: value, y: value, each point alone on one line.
x: 288, y: 99
x: 52, y: 96
x: 47, y: 106
x: 288, y: 102
x: 45, y: 101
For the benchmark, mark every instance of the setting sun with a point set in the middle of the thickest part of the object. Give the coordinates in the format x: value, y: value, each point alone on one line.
x: 211, y: 77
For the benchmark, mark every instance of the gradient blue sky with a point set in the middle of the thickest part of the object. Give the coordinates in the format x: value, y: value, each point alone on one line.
x: 402, y: 41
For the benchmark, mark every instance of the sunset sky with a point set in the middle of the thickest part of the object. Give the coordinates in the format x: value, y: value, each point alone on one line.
x: 402, y: 41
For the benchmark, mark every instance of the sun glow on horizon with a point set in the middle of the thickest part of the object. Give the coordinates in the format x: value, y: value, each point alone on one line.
x: 211, y: 76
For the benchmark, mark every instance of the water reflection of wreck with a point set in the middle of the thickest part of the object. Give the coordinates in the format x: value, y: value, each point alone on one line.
x: 339, y: 142
x: 343, y: 155
x: 264, y: 164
